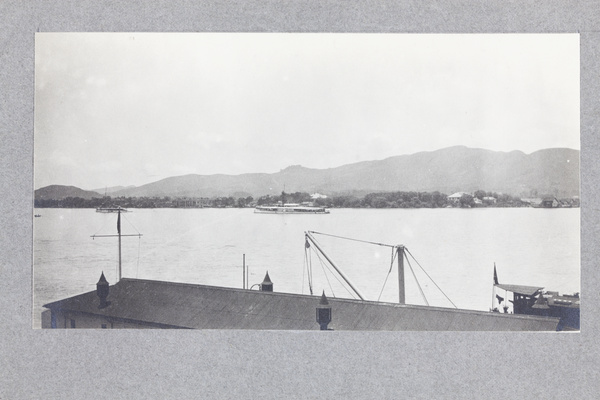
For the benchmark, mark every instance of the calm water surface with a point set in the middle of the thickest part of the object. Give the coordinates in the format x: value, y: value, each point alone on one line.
x: 457, y: 248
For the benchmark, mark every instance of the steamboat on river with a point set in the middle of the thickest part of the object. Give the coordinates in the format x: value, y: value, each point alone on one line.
x: 290, y: 208
x: 106, y: 210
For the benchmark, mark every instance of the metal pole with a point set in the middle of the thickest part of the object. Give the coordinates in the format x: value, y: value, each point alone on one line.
x: 119, y: 236
x: 494, y: 287
x: 119, y: 233
x: 244, y: 273
x: 401, y: 289
x: 308, y: 235
x: 493, y: 295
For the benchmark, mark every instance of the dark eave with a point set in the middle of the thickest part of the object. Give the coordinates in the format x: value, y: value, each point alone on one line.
x: 520, y: 289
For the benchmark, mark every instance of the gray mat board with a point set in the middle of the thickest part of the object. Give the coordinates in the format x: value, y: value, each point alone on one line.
x: 135, y: 364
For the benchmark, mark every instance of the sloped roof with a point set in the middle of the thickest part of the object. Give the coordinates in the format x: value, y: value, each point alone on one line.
x: 520, y: 289
x: 169, y: 304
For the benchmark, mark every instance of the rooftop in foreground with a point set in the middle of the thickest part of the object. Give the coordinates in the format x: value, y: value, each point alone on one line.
x: 138, y: 303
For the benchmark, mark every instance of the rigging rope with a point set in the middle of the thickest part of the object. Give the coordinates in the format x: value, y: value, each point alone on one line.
x: 416, y: 280
x: 430, y: 277
x: 388, y: 274
x: 355, y: 240
x: 123, y: 214
x: 324, y: 273
x: 308, y: 272
x: 137, y: 268
x: 324, y: 265
x: 391, y: 265
x: 105, y: 222
x: 310, y: 275
x: 304, y: 267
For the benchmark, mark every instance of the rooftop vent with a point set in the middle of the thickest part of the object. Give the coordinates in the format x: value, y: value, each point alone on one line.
x: 102, y: 289
x: 266, y: 285
x: 323, y: 313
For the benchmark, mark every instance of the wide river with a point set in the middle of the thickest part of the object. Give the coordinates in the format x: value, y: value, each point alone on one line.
x: 456, y: 247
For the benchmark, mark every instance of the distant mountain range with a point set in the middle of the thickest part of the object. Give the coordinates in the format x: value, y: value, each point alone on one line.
x: 550, y: 171
x: 109, y: 190
x: 59, y: 192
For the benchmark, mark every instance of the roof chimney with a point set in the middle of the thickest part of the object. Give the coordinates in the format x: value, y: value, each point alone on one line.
x: 541, y: 303
x: 266, y: 285
x: 323, y: 312
x: 102, y: 291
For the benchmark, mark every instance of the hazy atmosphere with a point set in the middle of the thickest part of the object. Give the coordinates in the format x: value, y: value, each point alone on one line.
x: 129, y: 109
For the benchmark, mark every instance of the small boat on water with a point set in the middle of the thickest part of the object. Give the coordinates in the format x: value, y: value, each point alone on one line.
x: 37, y: 215
x: 111, y: 209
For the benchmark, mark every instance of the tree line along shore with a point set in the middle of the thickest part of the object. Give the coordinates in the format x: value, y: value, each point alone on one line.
x: 396, y: 199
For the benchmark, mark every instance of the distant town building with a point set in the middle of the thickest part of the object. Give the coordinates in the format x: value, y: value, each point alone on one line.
x: 550, y: 202
x: 455, y: 198
x: 534, y: 202
x: 188, y: 202
x: 315, y: 196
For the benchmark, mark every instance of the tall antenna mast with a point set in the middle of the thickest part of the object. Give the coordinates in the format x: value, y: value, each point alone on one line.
x: 119, y: 236
x: 401, y: 290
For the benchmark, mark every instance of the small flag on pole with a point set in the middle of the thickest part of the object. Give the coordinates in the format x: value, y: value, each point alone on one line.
x: 495, y: 275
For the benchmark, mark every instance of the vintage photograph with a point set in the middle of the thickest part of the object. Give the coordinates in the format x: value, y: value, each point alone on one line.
x: 307, y: 181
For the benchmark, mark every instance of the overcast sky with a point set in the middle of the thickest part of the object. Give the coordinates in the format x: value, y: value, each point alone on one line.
x: 129, y: 109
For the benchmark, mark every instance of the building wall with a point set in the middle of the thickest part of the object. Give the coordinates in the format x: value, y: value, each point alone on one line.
x: 46, y: 319
x: 66, y: 320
